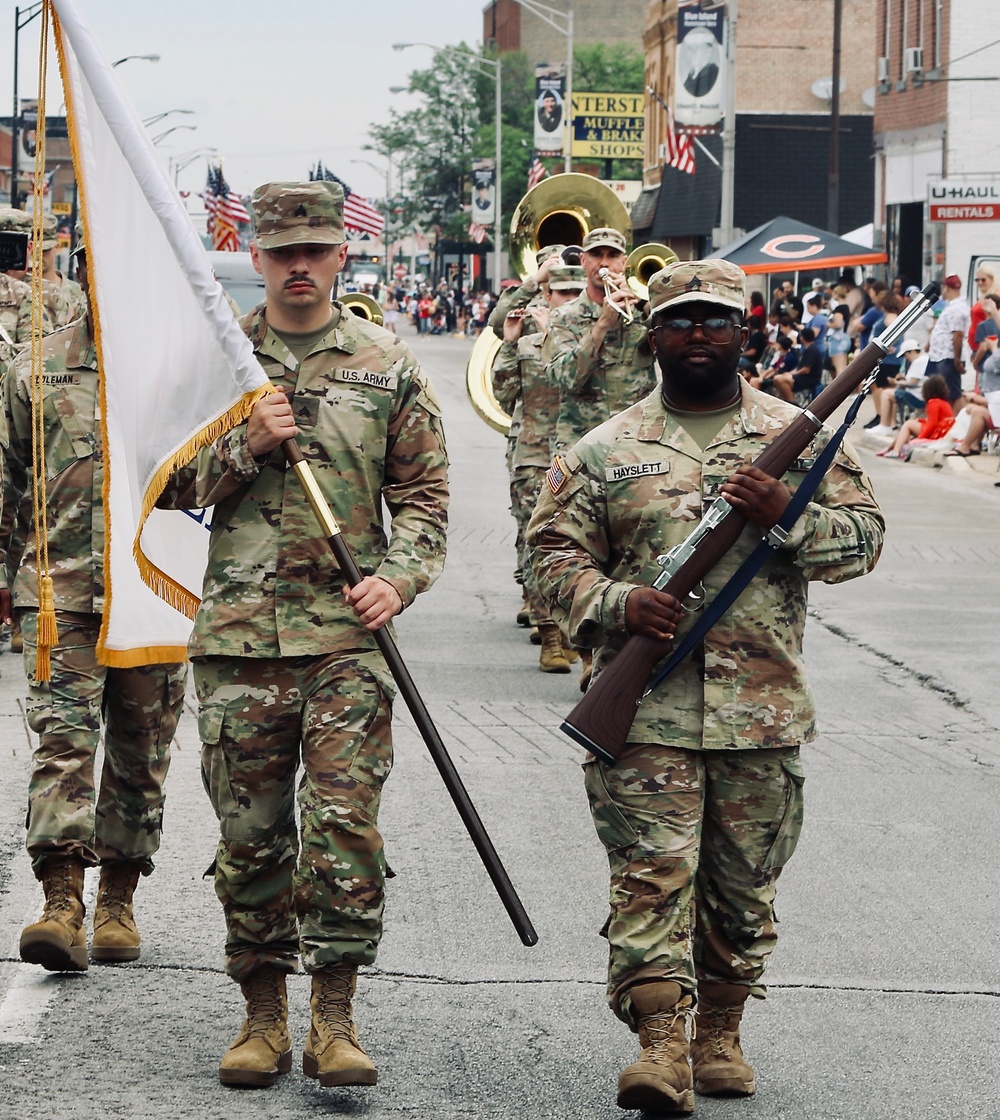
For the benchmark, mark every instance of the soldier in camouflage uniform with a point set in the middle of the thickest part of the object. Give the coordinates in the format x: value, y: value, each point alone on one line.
x: 598, y: 363
x: 15, y: 295
x: 530, y: 297
x: 284, y: 659
x: 531, y: 293
x: 70, y: 827
x: 64, y: 299
x: 521, y: 386
x: 703, y: 810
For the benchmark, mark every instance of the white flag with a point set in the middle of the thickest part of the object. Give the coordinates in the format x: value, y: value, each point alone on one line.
x: 176, y: 370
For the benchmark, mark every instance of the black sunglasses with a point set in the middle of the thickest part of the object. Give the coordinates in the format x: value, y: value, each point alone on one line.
x: 719, y: 330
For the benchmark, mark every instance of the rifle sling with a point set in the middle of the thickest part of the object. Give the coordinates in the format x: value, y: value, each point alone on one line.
x: 772, y: 541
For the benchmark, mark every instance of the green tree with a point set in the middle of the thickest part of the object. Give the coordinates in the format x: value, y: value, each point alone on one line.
x: 599, y: 68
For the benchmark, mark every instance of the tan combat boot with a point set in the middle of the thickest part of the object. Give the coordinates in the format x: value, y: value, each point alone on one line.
x: 115, y: 935
x: 58, y: 941
x: 720, y: 1069
x: 660, y: 1081
x: 552, y: 658
x: 263, y: 1048
x: 524, y: 614
x: 333, y: 1055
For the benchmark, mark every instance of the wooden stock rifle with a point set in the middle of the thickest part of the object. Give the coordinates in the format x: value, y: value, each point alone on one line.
x: 603, y: 718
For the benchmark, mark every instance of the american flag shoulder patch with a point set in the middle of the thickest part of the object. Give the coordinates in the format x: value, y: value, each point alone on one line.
x: 557, y: 475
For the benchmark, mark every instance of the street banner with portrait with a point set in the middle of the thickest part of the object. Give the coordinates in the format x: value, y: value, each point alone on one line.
x: 700, y: 77
x: 175, y: 370
x: 484, y: 200
x: 550, y: 109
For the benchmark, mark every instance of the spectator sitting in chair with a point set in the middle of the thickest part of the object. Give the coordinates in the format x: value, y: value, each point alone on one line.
x: 935, y: 425
x: 808, y: 374
x: 904, y: 395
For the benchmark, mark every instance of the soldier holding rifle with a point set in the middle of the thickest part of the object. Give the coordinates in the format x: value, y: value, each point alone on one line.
x: 285, y: 662
x: 703, y: 809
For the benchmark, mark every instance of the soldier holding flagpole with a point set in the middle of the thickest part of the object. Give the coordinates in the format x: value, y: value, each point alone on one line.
x: 285, y: 664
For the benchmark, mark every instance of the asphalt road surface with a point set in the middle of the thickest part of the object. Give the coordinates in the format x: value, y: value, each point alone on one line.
x: 884, y: 987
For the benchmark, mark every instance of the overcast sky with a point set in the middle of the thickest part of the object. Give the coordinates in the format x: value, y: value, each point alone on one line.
x: 272, y: 92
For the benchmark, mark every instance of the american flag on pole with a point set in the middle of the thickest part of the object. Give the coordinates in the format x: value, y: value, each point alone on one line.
x: 680, y: 147
x: 225, y: 210
x: 359, y: 214
x: 536, y: 171
x: 477, y: 232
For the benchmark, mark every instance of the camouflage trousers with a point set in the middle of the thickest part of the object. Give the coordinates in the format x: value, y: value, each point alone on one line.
x: 257, y: 718
x: 696, y: 841
x: 525, y: 485
x: 140, y: 708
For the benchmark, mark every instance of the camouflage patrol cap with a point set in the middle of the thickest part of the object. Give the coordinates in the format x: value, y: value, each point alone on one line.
x: 567, y: 277
x: 711, y: 281
x: 613, y: 238
x: 50, y: 231
x: 298, y: 214
x: 14, y: 221
x: 545, y: 251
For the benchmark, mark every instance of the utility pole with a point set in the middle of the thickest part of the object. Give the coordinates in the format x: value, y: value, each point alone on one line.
x: 729, y: 131
x: 833, y: 187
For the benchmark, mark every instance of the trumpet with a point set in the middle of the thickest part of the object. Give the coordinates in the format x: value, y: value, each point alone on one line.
x: 612, y: 284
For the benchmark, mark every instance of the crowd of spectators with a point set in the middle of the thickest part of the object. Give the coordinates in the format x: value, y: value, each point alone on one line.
x: 806, y: 339
x: 431, y: 310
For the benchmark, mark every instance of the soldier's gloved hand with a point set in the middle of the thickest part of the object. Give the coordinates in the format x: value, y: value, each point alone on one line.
x: 6, y: 610
x: 374, y: 601
x: 761, y: 498
x: 270, y: 424
x: 652, y: 614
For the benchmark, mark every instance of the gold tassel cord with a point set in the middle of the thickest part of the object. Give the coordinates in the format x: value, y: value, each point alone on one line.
x: 47, y: 630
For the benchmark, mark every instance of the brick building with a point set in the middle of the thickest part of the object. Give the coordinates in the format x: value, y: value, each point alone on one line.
x: 514, y: 28
x: 784, y: 51
x: 933, y: 121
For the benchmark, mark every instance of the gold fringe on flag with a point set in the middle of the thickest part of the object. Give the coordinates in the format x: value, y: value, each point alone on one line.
x: 48, y: 634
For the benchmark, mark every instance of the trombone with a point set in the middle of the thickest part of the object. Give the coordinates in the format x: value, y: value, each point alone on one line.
x: 611, y: 286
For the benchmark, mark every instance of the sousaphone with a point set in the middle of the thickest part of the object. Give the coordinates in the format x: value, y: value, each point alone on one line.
x: 560, y: 210
x: 362, y: 305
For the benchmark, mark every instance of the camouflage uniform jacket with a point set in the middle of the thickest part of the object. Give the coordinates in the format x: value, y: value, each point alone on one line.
x: 370, y: 428
x: 64, y: 301
x: 74, y: 470
x: 594, y: 383
x: 15, y: 314
x: 519, y: 379
x: 636, y: 487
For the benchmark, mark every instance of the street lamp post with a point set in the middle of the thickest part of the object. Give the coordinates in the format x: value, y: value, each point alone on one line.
x: 494, y: 65
x: 175, y: 128
x: 166, y: 113
x: 563, y: 23
x: 178, y: 163
x: 28, y: 14
x: 142, y: 57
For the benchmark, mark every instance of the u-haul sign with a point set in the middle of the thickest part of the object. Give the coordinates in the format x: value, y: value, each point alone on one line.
x: 954, y: 200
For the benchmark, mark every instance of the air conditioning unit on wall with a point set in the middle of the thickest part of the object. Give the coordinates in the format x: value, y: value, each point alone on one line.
x: 913, y: 60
